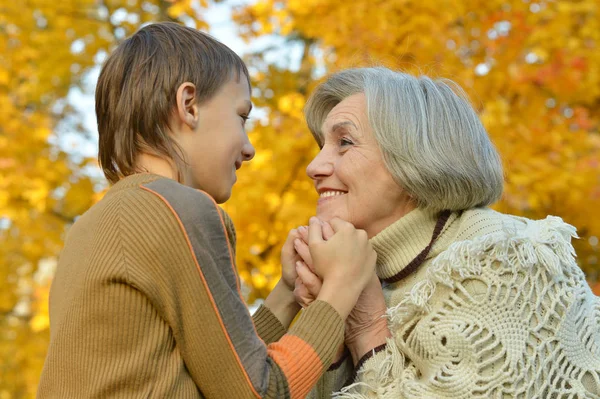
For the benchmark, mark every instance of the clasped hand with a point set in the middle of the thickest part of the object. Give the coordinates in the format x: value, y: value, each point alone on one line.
x: 366, y: 326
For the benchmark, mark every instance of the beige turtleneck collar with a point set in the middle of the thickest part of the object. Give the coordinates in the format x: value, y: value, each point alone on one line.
x: 398, y: 244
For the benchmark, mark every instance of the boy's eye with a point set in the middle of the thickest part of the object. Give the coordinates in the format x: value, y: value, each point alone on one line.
x: 244, y: 118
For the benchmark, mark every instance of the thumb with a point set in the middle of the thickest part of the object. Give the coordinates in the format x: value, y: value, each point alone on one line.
x: 315, y: 231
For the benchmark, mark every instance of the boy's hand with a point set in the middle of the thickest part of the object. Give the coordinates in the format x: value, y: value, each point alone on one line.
x: 295, y: 249
x: 308, y: 284
x: 301, y: 243
x: 346, y: 262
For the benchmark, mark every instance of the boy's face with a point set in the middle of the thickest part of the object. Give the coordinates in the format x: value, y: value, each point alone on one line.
x: 218, y: 144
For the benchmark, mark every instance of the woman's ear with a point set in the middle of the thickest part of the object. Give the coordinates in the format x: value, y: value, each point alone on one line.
x: 187, y: 107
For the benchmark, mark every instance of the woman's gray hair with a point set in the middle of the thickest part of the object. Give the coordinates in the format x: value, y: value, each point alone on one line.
x: 431, y: 138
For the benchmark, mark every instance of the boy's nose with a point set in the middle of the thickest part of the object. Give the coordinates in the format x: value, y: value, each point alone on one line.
x: 248, y: 151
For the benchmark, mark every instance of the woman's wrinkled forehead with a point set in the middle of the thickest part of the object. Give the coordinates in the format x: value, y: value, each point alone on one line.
x: 349, y: 114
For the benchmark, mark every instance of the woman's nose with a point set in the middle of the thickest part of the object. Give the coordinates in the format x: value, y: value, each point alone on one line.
x: 321, y: 166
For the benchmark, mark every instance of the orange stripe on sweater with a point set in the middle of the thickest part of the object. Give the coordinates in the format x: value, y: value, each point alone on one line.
x: 214, y: 305
x: 299, y: 362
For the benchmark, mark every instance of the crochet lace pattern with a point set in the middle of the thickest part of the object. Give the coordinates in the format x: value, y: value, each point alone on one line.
x: 508, y: 314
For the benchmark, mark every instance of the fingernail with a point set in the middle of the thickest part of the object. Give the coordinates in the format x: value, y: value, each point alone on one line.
x: 298, y: 264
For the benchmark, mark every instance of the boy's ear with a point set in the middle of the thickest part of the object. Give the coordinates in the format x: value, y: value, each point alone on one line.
x: 187, y: 108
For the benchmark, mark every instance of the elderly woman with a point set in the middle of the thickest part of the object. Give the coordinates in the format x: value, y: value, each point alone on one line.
x: 479, y: 304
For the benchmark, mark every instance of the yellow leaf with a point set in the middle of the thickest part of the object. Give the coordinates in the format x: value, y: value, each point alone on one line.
x: 40, y: 322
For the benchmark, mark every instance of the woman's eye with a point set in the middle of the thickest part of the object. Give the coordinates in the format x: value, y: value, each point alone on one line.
x: 345, y: 142
x: 244, y: 118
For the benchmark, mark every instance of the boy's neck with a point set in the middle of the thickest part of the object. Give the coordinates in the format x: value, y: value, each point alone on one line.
x: 155, y: 165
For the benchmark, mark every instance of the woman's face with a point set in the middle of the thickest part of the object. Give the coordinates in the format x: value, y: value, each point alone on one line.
x: 349, y: 174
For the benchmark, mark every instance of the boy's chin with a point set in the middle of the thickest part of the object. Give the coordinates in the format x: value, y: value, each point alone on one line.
x: 224, y: 195
x: 222, y: 198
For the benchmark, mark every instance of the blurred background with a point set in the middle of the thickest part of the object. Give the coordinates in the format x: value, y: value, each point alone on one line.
x: 531, y: 67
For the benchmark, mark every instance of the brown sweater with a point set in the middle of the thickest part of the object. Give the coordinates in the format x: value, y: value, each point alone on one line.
x: 146, y: 303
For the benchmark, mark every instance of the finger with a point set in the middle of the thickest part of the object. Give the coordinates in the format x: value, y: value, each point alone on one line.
x: 304, y: 252
x: 289, y: 242
x: 303, y: 232
x: 298, y: 287
x: 310, y: 280
x: 327, y: 231
x: 301, y: 294
x: 337, y: 224
x: 315, y: 231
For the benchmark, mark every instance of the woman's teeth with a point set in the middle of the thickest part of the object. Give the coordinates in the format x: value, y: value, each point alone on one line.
x: 327, y: 194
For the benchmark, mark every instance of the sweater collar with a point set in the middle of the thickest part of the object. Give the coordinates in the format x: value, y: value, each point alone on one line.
x: 398, y: 244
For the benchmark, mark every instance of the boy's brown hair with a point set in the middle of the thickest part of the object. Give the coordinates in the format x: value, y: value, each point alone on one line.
x: 137, y: 88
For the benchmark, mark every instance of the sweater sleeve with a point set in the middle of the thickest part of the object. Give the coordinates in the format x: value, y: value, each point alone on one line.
x: 268, y: 326
x: 183, y: 262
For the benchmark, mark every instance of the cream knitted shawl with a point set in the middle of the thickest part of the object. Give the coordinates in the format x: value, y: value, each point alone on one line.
x: 499, y: 309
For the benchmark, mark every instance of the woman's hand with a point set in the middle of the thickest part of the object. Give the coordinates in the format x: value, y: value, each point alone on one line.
x: 281, y: 300
x: 366, y: 326
x: 289, y: 257
x: 307, y: 284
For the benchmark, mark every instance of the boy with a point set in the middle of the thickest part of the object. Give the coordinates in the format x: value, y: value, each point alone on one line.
x: 146, y: 299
